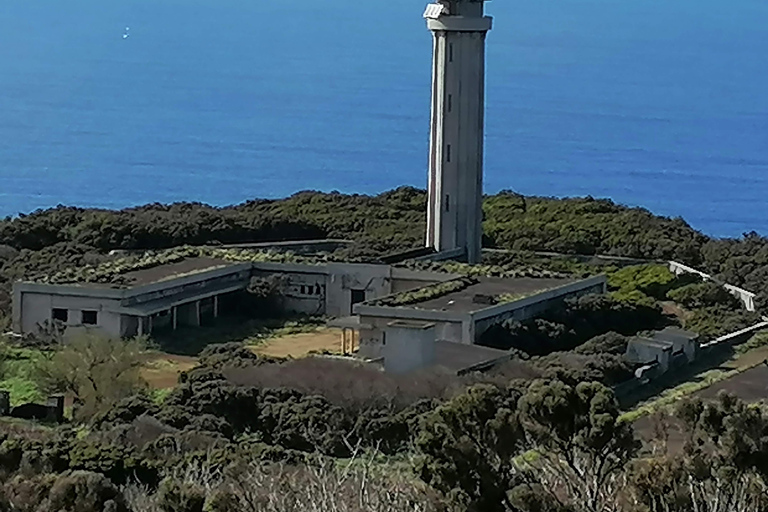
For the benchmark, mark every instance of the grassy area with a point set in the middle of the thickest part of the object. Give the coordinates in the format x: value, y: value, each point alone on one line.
x: 744, y: 357
x: 19, y: 375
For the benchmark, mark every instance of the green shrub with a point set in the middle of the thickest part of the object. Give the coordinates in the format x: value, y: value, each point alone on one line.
x: 83, y: 491
x: 652, y: 280
x: 704, y: 295
x: 175, y: 496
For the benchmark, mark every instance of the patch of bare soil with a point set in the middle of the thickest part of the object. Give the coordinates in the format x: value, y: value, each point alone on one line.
x: 674, y: 309
x: 161, y: 370
x: 751, y: 385
x: 300, y: 345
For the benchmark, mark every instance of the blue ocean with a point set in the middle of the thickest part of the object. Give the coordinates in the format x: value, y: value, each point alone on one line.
x: 659, y: 103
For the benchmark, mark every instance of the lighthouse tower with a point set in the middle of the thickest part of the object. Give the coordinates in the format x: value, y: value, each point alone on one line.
x: 454, y: 215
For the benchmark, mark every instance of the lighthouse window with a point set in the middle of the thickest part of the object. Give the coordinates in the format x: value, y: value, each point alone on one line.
x: 450, y: 52
x: 447, y: 203
x: 450, y: 102
x: 448, y: 153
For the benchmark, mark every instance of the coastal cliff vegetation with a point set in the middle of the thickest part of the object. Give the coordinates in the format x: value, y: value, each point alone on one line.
x: 46, y: 241
x: 243, y: 432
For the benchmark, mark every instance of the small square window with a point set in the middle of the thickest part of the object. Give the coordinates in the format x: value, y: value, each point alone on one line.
x: 62, y: 315
x: 90, y: 317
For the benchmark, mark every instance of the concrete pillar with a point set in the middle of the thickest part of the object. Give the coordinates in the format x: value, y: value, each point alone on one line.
x: 174, y: 320
x: 454, y: 213
x: 141, y: 326
x: 215, y: 306
x: 189, y: 314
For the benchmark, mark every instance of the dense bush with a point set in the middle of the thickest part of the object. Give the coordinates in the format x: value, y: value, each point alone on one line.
x: 587, y: 226
x: 703, y: 295
x: 568, y: 327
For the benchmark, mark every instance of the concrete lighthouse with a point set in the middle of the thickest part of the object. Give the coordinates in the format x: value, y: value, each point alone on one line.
x: 454, y: 215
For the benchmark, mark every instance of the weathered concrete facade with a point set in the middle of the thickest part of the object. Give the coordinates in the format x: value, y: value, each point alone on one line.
x: 325, y: 289
x: 464, y: 326
x: 454, y: 214
x: 126, y: 312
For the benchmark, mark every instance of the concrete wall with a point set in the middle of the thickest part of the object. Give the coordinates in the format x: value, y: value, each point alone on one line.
x: 408, y: 346
x: 344, y: 277
x: 646, y: 351
x: 305, y: 293
x: 467, y: 328
x: 372, y: 340
x: 746, y: 297
x: 534, y: 305
x: 37, y: 308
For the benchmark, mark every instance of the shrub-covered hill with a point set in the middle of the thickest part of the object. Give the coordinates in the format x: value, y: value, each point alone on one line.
x: 391, y: 221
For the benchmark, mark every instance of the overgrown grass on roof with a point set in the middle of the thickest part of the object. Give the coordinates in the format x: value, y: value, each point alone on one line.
x: 425, y: 293
x: 113, y: 272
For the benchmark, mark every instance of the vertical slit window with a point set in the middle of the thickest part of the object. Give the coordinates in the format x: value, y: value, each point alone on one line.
x: 448, y: 153
x: 447, y: 203
x: 450, y: 102
x: 450, y: 52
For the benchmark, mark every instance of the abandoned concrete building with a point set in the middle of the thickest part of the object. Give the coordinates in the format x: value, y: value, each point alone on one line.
x: 463, y: 314
x: 361, y: 299
x: 656, y: 354
x: 194, y: 290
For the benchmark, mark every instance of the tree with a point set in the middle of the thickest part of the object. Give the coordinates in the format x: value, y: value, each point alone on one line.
x: 468, y: 447
x: 97, y: 370
x: 582, y: 445
x: 722, y: 467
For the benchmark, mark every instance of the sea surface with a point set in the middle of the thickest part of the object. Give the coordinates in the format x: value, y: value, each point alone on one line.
x: 659, y: 103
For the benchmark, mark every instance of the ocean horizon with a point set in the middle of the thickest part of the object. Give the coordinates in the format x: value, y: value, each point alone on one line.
x: 656, y: 104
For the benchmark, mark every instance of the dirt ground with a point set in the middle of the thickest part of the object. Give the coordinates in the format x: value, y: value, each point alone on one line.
x: 162, y: 370
x: 299, y: 345
x: 751, y: 385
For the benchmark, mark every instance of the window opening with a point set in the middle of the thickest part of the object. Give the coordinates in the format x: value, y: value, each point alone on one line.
x: 90, y: 317
x: 62, y: 315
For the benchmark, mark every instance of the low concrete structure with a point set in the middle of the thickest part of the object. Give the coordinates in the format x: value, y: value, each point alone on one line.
x: 746, y: 297
x: 188, y: 292
x: 333, y: 289
x: 180, y: 293
x: 463, y: 315
x: 646, y: 351
x: 408, y: 346
x: 663, y: 350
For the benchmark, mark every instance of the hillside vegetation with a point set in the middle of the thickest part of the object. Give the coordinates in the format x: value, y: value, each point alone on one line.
x: 240, y: 432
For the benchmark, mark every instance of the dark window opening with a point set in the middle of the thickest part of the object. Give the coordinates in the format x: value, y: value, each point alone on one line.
x: 384, y: 338
x: 450, y: 102
x: 62, y: 315
x: 447, y: 203
x: 450, y: 52
x: 90, y: 317
x: 448, y: 153
x: 358, y: 296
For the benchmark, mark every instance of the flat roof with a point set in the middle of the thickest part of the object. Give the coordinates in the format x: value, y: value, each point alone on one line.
x: 171, y: 270
x: 156, y: 274
x: 462, y: 301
